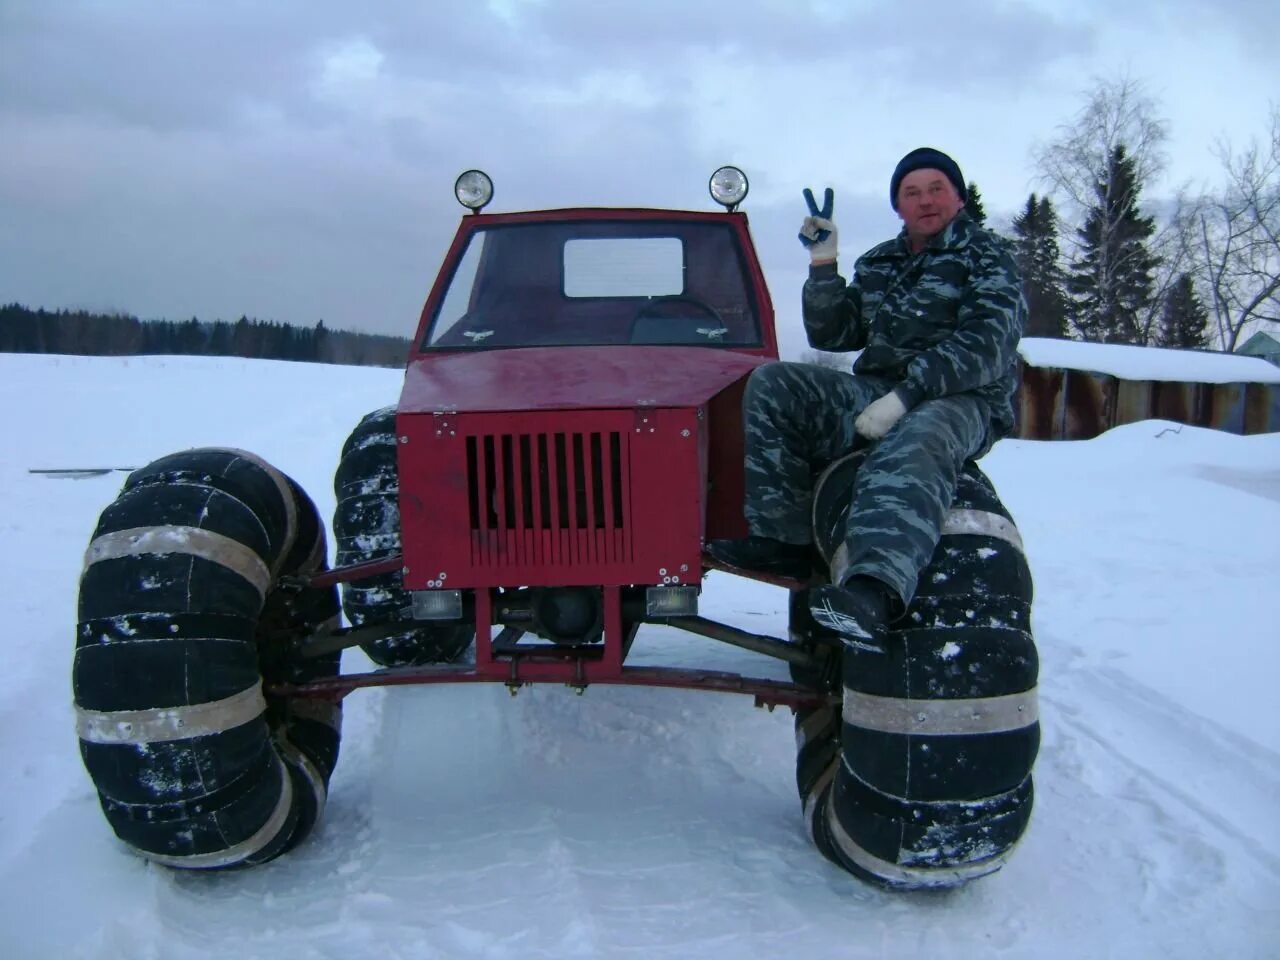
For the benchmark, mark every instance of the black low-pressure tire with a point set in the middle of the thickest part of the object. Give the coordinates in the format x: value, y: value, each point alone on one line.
x: 183, y: 628
x: 366, y: 526
x: 923, y: 777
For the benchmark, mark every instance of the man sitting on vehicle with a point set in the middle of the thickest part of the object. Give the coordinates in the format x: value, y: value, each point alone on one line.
x: 937, y: 313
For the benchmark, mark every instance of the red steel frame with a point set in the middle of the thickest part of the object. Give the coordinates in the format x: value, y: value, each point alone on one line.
x: 575, y: 667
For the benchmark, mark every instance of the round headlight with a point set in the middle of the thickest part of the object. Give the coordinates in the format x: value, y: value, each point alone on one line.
x: 473, y: 189
x: 728, y: 186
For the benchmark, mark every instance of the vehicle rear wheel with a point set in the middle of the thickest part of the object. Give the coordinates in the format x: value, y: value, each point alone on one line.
x: 923, y: 777
x: 366, y: 526
x: 184, y: 627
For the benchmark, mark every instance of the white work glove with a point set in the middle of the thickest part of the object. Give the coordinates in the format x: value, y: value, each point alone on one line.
x: 880, y: 416
x: 817, y: 232
x: 820, y: 250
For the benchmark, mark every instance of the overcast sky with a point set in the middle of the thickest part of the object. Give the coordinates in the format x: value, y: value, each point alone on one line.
x: 294, y: 159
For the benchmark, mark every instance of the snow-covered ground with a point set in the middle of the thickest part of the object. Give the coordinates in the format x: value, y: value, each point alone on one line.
x: 661, y: 824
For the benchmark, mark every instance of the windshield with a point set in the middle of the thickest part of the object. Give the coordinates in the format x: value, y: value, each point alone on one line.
x: 598, y: 282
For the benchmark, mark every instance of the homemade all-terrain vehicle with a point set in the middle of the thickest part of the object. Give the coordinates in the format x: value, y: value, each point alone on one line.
x: 568, y: 436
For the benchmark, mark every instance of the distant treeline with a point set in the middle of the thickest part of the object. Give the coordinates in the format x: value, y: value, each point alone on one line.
x: 115, y: 335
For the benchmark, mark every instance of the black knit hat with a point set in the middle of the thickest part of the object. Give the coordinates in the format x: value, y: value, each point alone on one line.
x: 923, y: 158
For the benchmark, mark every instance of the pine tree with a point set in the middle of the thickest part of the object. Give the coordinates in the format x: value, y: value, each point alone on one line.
x: 243, y: 338
x: 973, y: 204
x: 190, y: 337
x: 1184, y: 322
x: 1036, y: 248
x: 220, y: 339
x: 1112, y: 278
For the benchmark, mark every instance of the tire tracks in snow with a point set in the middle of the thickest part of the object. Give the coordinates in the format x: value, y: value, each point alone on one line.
x: 1122, y: 716
x: 645, y: 823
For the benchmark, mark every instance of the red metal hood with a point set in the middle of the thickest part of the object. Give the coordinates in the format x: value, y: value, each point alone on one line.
x: 570, y: 378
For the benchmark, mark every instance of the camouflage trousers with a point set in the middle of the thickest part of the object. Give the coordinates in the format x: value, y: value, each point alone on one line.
x: 799, y: 418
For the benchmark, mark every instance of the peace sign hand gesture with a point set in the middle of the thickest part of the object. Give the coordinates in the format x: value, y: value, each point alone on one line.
x: 817, y: 231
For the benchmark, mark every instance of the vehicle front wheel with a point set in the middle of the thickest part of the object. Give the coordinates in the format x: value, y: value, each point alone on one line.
x: 186, y: 622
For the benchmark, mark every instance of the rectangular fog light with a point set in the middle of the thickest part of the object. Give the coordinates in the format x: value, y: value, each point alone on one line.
x: 437, y: 604
x: 671, y: 602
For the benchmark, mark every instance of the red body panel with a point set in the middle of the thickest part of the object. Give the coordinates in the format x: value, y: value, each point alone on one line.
x: 570, y: 378
x: 595, y: 473
x: 573, y: 465
x: 576, y: 498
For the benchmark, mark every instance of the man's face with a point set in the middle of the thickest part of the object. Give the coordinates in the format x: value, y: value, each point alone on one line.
x: 927, y: 202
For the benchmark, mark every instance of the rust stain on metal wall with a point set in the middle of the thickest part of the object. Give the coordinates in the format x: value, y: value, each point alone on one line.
x: 1037, y: 405
x: 1058, y: 404
x: 1226, y: 408
x: 1261, y: 408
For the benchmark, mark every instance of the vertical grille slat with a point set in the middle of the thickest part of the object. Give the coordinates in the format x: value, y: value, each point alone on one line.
x: 564, y: 499
x: 533, y: 500
x: 484, y: 497
x: 588, y: 534
x: 473, y: 498
x: 555, y: 480
x: 558, y: 499
x: 623, y: 472
x: 606, y: 500
x: 578, y: 506
x: 498, y: 498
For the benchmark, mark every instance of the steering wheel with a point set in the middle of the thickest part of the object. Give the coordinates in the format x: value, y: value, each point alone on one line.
x: 652, y: 311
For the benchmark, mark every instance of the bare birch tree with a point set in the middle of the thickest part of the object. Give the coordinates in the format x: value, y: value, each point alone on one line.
x: 1174, y: 247
x: 1118, y: 115
x: 1238, y: 239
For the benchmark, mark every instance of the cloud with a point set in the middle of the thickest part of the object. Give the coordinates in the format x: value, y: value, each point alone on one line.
x: 191, y: 64
x: 354, y: 62
x: 294, y: 159
x: 163, y: 66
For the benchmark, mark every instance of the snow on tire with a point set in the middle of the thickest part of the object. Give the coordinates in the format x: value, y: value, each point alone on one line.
x: 366, y: 526
x: 183, y: 628
x: 922, y: 778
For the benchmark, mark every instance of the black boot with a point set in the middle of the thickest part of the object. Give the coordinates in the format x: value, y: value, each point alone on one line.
x: 859, y: 610
x: 764, y: 555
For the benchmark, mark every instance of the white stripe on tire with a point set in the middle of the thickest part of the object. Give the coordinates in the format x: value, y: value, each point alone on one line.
x: 914, y: 877
x: 166, y: 724
x: 941, y: 718
x: 981, y: 523
x: 190, y: 541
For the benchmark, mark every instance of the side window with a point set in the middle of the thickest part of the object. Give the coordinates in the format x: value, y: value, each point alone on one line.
x: 623, y: 267
x: 457, y: 300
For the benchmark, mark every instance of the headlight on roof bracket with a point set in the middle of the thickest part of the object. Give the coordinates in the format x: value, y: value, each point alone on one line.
x: 474, y: 190
x: 728, y: 187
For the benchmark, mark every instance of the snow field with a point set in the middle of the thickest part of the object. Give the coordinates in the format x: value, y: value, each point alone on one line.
x: 659, y: 823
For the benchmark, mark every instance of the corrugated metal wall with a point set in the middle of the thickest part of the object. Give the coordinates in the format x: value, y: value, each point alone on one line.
x: 1058, y: 404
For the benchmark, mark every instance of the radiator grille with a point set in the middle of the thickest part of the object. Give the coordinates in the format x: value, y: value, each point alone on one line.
x: 549, y: 499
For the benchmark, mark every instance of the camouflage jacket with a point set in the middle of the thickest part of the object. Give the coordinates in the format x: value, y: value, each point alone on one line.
x: 944, y: 321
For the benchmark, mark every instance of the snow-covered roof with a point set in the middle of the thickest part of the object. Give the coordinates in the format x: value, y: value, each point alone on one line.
x: 1147, y: 363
